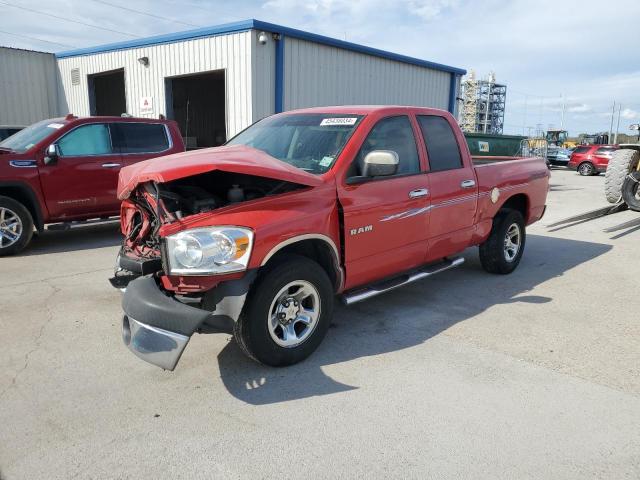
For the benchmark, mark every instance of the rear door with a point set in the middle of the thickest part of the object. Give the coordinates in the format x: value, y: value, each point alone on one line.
x: 138, y: 141
x: 386, y: 218
x: 454, y: 193
x: 83, y: 179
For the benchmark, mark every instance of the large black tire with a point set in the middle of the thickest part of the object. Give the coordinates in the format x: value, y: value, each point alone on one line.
x: 494, y: 254
x: 631, y: 191
x: 15, y: 221
x: 586, y: 169
x: 253, y: 332
x: 621, y: 163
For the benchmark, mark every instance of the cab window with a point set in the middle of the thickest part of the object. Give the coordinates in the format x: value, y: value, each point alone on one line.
x: 86, y: 140
x: 394, y: 134
x: 139, y: 137
x: 442, y: 146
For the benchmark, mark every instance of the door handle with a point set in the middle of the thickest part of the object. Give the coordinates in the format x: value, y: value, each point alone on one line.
x: 110, y: 165
x: 468, y: 184
x: 420, y: 192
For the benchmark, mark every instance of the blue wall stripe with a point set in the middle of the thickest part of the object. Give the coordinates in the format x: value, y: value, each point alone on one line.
x: 258, y: 25
x: 452, y: 93
x: 279, y: 93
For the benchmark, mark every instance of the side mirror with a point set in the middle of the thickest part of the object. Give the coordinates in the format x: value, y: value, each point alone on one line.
x: 380, y: 163
x: 51, y: 155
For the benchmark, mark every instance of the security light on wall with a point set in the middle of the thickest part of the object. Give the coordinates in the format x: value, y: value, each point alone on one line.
x: 262, y: 38
x: 144, y: 61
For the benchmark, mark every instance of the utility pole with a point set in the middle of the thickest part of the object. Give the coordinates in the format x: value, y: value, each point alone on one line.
x: 613, y: 113
x: 562, y: 117
x: 615, y: 139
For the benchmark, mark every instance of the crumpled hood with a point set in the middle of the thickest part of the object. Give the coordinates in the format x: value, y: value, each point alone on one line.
x: 234, y: 158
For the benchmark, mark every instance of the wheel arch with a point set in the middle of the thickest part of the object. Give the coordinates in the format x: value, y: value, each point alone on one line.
x: 519, y: 202
x: 317, y: 247
x: 25, y: 195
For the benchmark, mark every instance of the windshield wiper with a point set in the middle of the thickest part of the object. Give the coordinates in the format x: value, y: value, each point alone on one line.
x: 7, y: 149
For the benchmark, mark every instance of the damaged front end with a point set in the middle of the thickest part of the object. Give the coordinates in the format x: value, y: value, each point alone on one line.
x: 159, y: 318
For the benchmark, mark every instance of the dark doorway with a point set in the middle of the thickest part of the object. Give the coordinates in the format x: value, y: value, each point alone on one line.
x: 106, y: 93
x: 197, y: 103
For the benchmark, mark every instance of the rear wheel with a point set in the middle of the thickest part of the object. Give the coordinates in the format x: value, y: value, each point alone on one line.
x: 502, y: 251
x: 621, y: 163
x: 631, y: 191
x: 586, y: 169
x: 288, y: 313
x: 16, y: 226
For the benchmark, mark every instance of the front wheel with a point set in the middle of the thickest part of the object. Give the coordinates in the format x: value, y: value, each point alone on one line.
x: 631, y: 191
x: 288, y: 313
x: 502, y: 251
x: 16, y: 226
x: 586, y: 169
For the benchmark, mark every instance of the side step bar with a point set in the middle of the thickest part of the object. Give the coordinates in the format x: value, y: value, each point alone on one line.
x: 374, y: 289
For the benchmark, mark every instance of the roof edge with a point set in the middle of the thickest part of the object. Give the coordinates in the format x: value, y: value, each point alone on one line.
x: 253, y: 24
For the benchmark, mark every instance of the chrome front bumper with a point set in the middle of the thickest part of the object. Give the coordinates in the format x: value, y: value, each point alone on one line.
x: 152, y: 344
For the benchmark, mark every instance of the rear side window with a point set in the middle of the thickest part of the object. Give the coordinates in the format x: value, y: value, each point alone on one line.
x: 87, y: 140
x: 442, y: 146
x: 605, y: 150
x: 139, y: 137
x: 581, y: 149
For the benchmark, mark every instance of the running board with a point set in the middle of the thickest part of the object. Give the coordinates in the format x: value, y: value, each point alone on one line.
x: 374, y: 289
x: 64, y: 226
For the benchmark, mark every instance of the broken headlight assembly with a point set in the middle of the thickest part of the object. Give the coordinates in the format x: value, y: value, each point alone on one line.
x: 209, y: 251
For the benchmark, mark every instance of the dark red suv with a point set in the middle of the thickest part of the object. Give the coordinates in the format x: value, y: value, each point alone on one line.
x: 66, y: 170
x: 591, y: 159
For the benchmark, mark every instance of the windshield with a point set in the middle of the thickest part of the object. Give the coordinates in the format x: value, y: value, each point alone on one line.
x: 27, y: 138
x: 310, y: 142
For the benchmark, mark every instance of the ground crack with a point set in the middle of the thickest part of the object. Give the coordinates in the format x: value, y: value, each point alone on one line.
x: 49, y: 317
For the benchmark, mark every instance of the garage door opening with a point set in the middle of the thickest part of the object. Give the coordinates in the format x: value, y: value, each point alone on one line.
x: 197, y: 103
x: 106, y: 93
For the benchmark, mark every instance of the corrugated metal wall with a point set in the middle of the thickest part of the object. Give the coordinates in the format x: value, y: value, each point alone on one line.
x: 319, y: 75
x: 28, y: 87
x: 263, y: 59
x: 230, y: 52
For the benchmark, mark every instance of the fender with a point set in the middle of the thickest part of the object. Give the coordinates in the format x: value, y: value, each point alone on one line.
x: 26, y: 189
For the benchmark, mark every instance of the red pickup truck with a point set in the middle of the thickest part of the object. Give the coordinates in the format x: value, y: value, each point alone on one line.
x: 66, y: 169
x: 258, y: 236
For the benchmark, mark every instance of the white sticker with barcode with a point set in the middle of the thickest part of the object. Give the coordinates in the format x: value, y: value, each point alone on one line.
x: 55, y: 125
x: 338, y: 121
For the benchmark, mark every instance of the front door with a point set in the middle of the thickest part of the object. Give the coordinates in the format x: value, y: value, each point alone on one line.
x: 82, y: 181
x: 454, y: 193
x: 386, y: 219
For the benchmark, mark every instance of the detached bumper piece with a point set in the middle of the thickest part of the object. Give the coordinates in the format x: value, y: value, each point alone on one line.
x: 128, y: 269
x: 157, y: 327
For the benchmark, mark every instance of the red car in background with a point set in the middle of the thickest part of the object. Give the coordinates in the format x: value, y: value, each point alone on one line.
x: 591, y: 159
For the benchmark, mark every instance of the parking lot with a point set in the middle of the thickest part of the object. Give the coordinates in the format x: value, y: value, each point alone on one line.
x: 465, y: 375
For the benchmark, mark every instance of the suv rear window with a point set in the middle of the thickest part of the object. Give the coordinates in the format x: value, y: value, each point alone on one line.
x: 605, y: 149
x: 139, y: 137
x: 581, y: 149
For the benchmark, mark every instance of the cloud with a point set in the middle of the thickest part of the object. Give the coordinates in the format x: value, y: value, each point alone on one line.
x: 629, y: 114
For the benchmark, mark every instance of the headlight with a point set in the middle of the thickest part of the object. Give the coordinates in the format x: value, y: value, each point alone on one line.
x: 211, y: 250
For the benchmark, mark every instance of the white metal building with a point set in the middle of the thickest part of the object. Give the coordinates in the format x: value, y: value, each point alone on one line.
x: 216, y: 81
x: 28, y: 86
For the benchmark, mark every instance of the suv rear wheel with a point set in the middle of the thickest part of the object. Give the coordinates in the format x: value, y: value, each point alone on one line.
x: 16, y: 226
x: 287, y: 314
x: 586, y: 169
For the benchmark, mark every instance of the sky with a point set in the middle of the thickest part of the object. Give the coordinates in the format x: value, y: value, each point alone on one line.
x: 580, y: 54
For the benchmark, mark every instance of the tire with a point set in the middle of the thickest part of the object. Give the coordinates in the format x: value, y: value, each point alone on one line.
x: 621, y: 163
x: 16, y: 226
x: 586, y: 169
x: 495, y: 257
x: 269, y: 330
x: 631, y: 191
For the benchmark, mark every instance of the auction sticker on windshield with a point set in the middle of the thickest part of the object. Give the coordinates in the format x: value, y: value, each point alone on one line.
x: 338, y: 121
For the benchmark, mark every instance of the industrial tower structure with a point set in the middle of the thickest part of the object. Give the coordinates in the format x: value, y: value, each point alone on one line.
x: 483, y: 105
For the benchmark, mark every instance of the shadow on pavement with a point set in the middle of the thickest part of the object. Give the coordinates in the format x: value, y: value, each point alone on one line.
x: 85, y: 237
x: 404, y: 318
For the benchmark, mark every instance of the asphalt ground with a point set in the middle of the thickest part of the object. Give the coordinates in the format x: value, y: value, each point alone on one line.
x: 464, y: 375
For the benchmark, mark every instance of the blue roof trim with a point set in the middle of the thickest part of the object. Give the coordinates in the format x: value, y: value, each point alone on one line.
x: 259, y: 25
